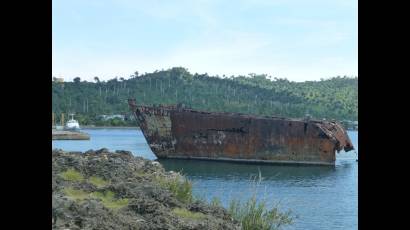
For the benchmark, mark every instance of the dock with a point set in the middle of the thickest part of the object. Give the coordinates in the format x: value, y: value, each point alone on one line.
x: 69, y: 135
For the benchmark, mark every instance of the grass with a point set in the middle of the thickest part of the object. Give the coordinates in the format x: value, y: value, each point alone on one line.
x: 184, y: 213
x: 107, y: 197
x: 72, y: 175
x: 75, y: 194
x: 98, y: 182
x: 256, y: 215
x: 179, y: 186
x: 253, y: 214
x: 216, y: 202
x: 108, y: 200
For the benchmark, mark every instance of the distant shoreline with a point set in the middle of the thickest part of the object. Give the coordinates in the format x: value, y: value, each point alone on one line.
x: 109, y: 127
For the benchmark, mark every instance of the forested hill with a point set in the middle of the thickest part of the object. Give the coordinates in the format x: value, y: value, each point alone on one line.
x: 334, y: 98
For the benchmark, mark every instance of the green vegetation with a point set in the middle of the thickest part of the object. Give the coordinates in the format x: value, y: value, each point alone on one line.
x: 252, y: 214
x: 108, y: 200
x: 75, y: 194
x: 107, y: 197
x: 184, y: 213
x: 179, y: 186
x: 216, y: 202
x: 181, y: 189
x: 72, y: 175
x: 111, y: 122
x: 97, y: 181
x: 334, y: 98
x: 255, y: 215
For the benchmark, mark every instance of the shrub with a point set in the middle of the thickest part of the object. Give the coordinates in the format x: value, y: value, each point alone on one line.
x: 72, y: 175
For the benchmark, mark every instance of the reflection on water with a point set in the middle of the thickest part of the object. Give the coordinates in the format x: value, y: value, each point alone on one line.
x: 227, y: 170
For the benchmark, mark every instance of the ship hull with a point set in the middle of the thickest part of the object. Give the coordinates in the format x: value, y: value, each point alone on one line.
x: 188, y: 134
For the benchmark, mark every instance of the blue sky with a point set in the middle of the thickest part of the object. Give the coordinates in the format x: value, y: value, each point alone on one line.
x: 294, y: 39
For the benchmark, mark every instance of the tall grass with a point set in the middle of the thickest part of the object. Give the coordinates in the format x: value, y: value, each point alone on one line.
x: 216, y: 202
x: 256, y: 215
x: 180, y: 186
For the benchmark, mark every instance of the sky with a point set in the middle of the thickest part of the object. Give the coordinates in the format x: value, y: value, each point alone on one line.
x: 295, y: 39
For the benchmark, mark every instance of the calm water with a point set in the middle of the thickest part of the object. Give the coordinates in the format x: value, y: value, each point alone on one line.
x: 322, y: 197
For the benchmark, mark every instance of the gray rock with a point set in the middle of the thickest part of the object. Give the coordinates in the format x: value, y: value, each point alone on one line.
x: 103, y: 150
x: 149, y: 205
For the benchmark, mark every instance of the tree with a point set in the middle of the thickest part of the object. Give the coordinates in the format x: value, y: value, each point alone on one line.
x: 333, y: 97
x: 96, y: 79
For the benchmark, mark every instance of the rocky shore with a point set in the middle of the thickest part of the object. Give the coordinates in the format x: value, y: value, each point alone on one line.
x: 106, y: 190
x: 68, y: 135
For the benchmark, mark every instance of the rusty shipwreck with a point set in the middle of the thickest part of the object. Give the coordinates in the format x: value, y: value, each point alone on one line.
x: 177, y: 132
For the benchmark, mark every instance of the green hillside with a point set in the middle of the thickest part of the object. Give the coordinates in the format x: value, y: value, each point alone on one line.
x: 334, y: 98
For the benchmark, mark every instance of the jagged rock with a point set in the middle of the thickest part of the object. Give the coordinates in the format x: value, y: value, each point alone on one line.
x: 89, y: 152
x: 103, y: 150
x: 149, y: 204
x: 126, y: 153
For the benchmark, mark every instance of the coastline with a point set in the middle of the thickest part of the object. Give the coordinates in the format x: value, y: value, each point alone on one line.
x: 109, y: 127
x: 115, y: 190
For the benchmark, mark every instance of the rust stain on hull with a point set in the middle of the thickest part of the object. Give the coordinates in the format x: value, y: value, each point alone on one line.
x: 173, y: 132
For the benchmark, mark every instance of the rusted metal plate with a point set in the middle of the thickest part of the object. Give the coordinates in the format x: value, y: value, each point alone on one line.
x: 174, y: 132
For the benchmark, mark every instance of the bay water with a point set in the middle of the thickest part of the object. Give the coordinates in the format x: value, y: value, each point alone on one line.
x: 321, y: 197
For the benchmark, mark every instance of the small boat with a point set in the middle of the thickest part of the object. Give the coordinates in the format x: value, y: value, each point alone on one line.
x: 72, y: 124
